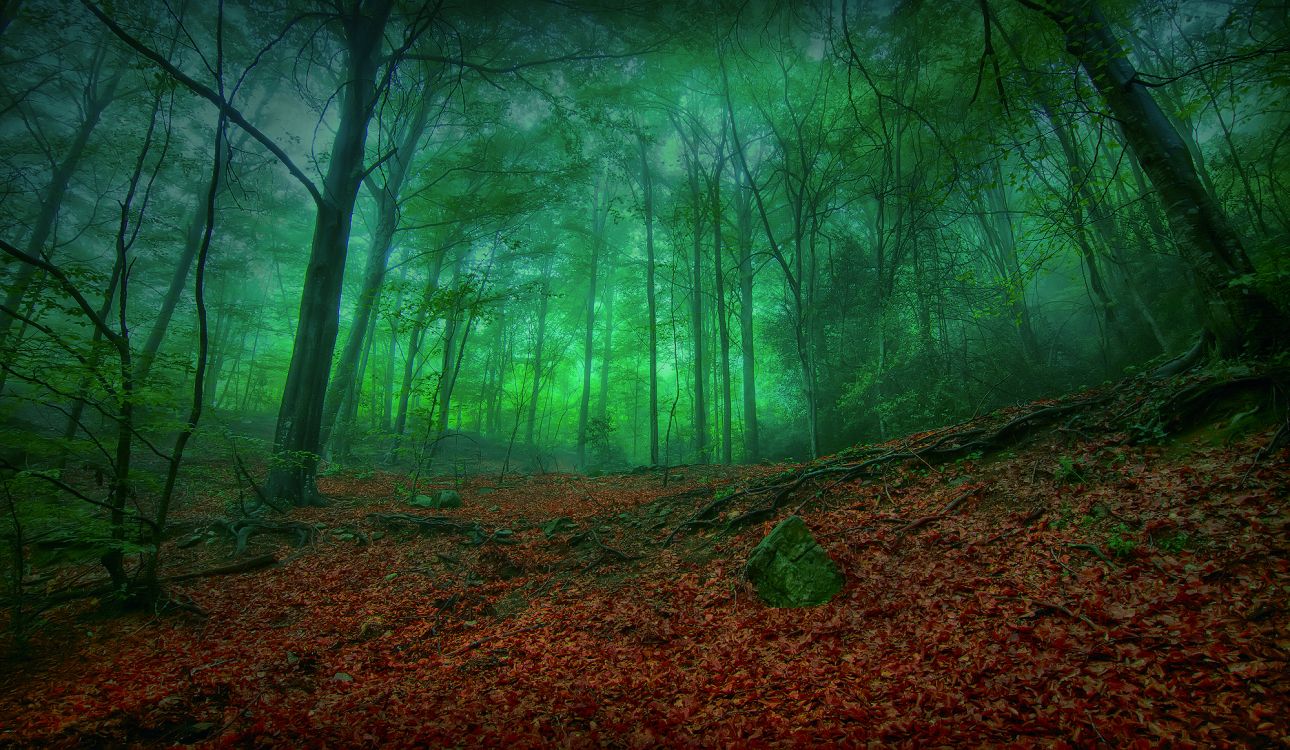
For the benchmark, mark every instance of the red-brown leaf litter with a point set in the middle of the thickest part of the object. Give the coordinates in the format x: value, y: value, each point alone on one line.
x: 1077, y: 589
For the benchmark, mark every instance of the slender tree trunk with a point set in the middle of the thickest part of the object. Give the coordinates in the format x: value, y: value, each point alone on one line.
x: 391, y: 349
x: 752, y: 449
x: 415, y: 338
x: 347, y: 416
x: 448, y: 365
x: 602, y: 404
x: 723, y: 329
x: 600, y: 214
x: 696, y: 319
x: 296, y: 438
x: 647, y: 187
x: 343, y: 381
x: 250, y: 371
x: 98, y: 94
x: 537, y: 353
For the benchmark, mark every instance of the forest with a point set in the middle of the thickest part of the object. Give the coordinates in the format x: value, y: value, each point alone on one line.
x: 635, y: 374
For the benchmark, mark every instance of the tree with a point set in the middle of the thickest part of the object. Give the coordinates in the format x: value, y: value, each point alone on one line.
x: 1238, y: 317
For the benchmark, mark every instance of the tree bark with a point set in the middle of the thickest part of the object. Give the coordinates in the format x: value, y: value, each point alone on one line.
x: 98, y: 94
x: 1237, y: 317
x: 723, y: 329
x: 600, y: 214
x: 414, y: 348
x: 296, y: 438
x: 647, y: 188
x: 752, y: 448
x: 387, y: 208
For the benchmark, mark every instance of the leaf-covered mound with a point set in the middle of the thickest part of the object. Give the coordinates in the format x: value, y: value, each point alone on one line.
x: 1109, y: 577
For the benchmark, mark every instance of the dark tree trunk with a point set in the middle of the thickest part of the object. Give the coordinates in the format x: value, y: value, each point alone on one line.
x: 413, y: 349
x: 98, y: 95
x: 647, y: 187
x: 448, y: 365
x: 752, y: 449
x: 696, y: 317
x: 343, y: 382
x: 600, y: 214
x: 602, y: 404
x: 529, y: 430
x: 1237, y: 317
x: 296, y: 438
x: 723, y: 329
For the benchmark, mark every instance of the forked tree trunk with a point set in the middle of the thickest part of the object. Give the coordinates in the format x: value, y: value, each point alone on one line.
x: 296, y: 438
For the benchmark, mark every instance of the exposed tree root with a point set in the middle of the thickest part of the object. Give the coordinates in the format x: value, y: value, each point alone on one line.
x: 949, y: 509
x: 243, y: 529
x: 242, y: 566
x: 932, y: 449
x: 1186, y: 361
x: 608, y: 551
x: 1152, y: 418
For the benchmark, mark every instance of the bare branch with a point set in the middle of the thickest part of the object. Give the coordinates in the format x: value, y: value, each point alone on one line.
x: 208, y: 94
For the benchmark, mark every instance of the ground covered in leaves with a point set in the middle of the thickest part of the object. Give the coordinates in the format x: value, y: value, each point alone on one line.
x: 1112, y: 577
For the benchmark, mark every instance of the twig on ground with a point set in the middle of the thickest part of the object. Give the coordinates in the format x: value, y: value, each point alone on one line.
x: 477, y: 643
x: 1096, y: 550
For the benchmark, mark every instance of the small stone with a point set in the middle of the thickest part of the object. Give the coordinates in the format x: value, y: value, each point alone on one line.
x: 557, y: 526
x: 342, y: 677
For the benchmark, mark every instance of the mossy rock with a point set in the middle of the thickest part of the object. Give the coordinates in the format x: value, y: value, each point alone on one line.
x: 558, y: 526
x: 441, y: 499
x: 790, y: 569
x: 448, y: 498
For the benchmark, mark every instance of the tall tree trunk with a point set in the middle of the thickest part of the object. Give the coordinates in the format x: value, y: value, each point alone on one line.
x: 343, y: 382
x: 98, y: 94
x: 537, y: 352
x: 723, y: 329
x: 392, y: 345
x: 296, y: 438
x: 600, y: 213
x: 414, y: 347
x: 696, y: 317
x: 1237, y: 317
x: 752, y: 448
x: 448, y: 365
x: 602, y: 399
x: 347, y: 415
x: 647, y: 188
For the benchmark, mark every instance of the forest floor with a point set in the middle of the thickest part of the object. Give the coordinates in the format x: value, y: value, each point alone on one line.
x: 1107, y: 569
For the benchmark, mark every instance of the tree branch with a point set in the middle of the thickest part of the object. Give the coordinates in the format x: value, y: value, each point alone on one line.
x: 208, y: 94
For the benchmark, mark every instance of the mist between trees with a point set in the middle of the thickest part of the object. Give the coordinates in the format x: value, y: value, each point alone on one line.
x: 537, y: 237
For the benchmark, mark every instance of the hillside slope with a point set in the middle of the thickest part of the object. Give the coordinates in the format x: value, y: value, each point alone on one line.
x: 1106, y: 569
